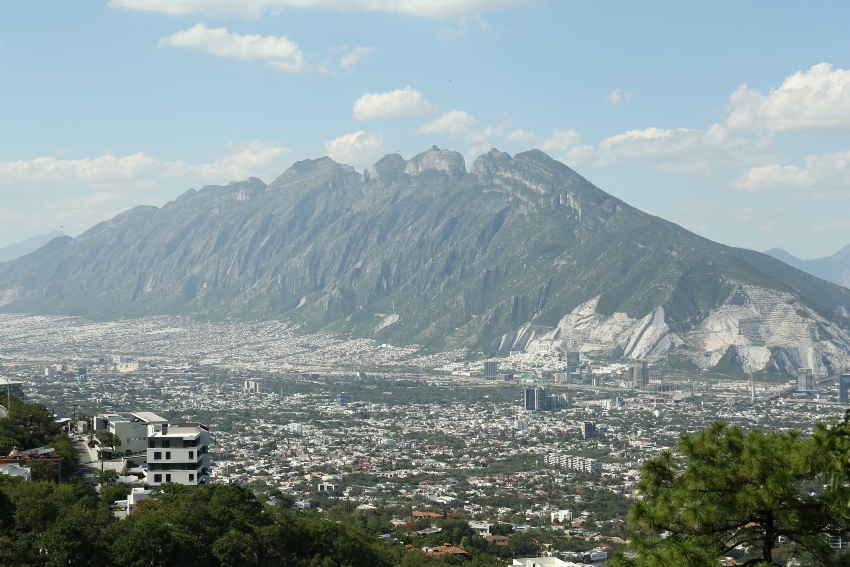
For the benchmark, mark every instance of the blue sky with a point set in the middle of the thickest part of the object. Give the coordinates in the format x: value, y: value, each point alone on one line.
x: 731, y: 119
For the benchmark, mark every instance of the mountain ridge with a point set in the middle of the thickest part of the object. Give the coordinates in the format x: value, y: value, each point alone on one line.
x: 430, y: 254
x: 835, y: 268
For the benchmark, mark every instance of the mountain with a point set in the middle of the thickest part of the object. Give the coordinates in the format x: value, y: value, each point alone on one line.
x: 835, y: 268
x: 19, y: 249
x: 517, y: 253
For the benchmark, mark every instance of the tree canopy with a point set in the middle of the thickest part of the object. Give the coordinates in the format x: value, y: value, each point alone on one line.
x: 755, y: 496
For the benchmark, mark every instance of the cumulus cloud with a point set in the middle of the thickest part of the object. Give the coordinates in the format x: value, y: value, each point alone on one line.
x: 359, y: 149
x: 817, y: 100
x: 619, y: 96
x: 520, y: 136
x: 278, y: 52
x: 434, y: 9
x: 400, y: 103
x: 356, y: 56
x: 139, y: 170
x: 675, y: 149
x: 74, y: 194
x: 561, y: 140
x: 461, y: 125
x: 823, y: 172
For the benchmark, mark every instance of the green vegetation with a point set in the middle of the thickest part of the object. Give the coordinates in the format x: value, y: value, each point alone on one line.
x: 31, y: 425
x: 758, y: 497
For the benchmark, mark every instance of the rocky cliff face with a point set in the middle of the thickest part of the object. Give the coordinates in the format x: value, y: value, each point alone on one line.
x: 520, y: 250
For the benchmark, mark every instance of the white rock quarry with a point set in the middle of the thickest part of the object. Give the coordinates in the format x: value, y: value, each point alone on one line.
x: 587, y: 331
x: 758, y: 327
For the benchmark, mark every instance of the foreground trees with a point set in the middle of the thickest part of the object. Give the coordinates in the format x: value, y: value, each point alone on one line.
x: 756, y: 496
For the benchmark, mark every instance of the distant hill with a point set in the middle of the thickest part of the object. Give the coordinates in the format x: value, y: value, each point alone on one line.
x: 19, y: 249
x: 517, y: 253
x: 835, y: 268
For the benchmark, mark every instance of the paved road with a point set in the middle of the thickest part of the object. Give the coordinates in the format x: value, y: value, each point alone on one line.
x: 90, y: 465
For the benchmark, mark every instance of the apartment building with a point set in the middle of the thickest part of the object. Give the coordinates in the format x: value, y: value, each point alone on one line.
x: 178, y: 453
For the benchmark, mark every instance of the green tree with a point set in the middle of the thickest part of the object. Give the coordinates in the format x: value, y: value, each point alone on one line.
x: 728, y: 490
x: 109, y: 439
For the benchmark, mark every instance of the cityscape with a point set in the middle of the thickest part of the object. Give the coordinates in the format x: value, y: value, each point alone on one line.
x: 550, y: 442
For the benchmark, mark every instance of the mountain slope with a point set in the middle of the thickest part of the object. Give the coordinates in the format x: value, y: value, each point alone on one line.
x: 19, y: 249
x: 415, y: 251
x: 835, y: 268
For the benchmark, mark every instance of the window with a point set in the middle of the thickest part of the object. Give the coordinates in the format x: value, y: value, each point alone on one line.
x: 157, y: 478
x: 157, y: 455
x: 191, y: 454
x: 168, y: 478
x: 191, y: 477
x: 166, y: 444
x: 167, y: 455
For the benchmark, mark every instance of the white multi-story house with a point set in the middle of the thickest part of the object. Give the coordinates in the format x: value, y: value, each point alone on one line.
x: 130, y: 427
x: 178, y: 453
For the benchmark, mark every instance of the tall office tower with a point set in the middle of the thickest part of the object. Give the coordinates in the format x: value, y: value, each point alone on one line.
x: 639, y: 374
x: 491, y: 369
x: 588, y: 429
x: 540, y: 401
x: 844, y: 388
x: 528, y: 399
x: 573, y: 361
x: 805, y: 380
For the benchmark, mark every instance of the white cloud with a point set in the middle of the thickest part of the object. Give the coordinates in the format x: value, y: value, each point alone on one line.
x: 466, y: 24
x: 400, y: 103
x: 460, y: 124
x: 356, y: 56
x: 561, y: 140
x: 359, y: 149
x: 824, y: 172
x: 435, y: 9
x: 278, y: 52
x: 618, y: 96
x: 140, y: 170
x: 817, y: 100
x: 520, y: 137
x: 675, y: 149
x: 74, y: 194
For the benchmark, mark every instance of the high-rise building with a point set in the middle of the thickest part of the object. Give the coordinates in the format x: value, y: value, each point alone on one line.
x: 588, y: 429
x: 343, y: 398
x: 639, y: 374
x: 528, y: 399
x: 535, y: 399
x: 805, y: 380
x: 573, y: 361
x: 178, y: 453
x: 540, y: 400
x: 844, y: 388
x: 491, y: 369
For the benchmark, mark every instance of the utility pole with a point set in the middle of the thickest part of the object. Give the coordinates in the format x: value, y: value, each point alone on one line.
x: 74, y: 424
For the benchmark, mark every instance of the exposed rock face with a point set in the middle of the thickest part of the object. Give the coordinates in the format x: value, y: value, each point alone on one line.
x: 616, y: 335
x: 440, y: 160
x: 489, y: 164
x: 524, y: 253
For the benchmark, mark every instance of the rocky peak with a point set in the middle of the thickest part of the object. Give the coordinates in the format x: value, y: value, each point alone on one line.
x: 489, y: 164
x: 386, y: 168
x: 441, y: 160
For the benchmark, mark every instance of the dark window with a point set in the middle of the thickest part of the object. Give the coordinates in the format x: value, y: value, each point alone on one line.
x: 157, y: 478
x: 157, y: 455
x: 168, y: 478
x: 166, y: 443
x: 191, y: 477
x: 191, y: 454
x: 168, y: 455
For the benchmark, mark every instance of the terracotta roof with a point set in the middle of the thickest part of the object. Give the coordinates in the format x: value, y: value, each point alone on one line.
x: 449, y: 549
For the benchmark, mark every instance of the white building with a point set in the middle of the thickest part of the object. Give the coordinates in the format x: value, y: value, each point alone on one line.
x: 543, y: 562
x: 178, y: 453
x: 130, y: 427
